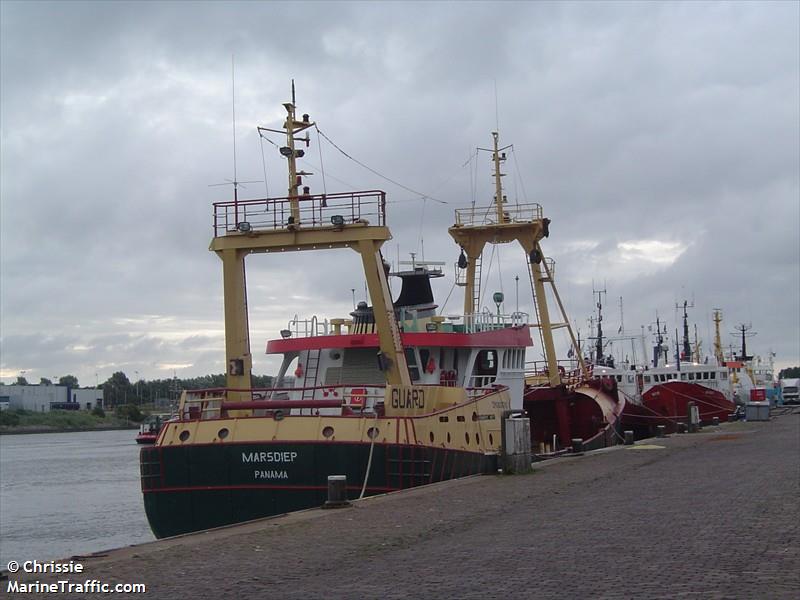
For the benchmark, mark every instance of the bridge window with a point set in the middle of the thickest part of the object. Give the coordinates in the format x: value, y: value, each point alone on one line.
x: 486, y: 362
x: 713, y: 374
x: 411, y: 359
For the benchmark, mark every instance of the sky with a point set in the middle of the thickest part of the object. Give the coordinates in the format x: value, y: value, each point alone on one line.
x: 661, y: 139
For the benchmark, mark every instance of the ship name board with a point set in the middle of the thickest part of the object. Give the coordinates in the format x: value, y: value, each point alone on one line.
x: 408, y: 398
x: 261, y: 457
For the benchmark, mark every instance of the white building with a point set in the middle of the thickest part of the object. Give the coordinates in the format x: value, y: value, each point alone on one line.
x: 43, y: 398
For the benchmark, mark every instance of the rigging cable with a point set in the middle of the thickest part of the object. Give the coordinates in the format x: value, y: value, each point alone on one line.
x: 263, y: 164
x: 321, y: 165
x: 521, y: 182
x: 373, y: 171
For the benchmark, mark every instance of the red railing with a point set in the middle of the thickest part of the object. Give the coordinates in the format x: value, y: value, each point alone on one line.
x: 315, y: 211
x: 213, y: 403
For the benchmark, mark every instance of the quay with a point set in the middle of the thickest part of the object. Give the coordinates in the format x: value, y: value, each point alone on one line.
x: 714, y: 514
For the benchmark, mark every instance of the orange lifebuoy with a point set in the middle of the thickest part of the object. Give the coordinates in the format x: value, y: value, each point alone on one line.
x: 431, y: 366
x: 298, y: 372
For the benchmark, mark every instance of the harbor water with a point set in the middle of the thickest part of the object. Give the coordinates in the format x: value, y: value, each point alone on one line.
x: 65, y: 494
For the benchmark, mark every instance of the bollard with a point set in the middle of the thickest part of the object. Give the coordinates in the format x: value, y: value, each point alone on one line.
x: 681, y: 427
x: 715, y: 421
x: 337, y: 492
x: 628, y: 438
x: 577, y: 446
x: 661, y: 430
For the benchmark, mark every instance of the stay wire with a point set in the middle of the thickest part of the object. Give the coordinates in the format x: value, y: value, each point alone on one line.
x: 321, y: 165
x: 374, y: 172
x: 263, y: 164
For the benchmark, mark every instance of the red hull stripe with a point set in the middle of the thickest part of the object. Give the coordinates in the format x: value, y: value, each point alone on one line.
x: 217, y: 488
x: 510, y: 337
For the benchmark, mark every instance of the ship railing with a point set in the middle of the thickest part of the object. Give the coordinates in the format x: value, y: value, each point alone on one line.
x: 487, y: 215
x: 308, y: 327
x: 339, y: 399
x: 489, y: 321
x: 569, y: 370
x: 319, y: 210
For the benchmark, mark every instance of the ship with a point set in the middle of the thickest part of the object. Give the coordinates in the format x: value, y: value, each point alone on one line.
x: 391, y: 398
x: 561, y: 398
x: 660, y: 393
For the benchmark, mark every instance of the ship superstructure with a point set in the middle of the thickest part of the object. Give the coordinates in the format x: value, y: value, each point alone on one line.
x: 392, y: 397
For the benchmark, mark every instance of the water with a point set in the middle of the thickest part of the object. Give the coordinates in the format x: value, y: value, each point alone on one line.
x: 69, y: 493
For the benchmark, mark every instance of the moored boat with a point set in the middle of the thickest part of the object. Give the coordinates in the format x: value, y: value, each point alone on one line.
x: 392, y: 399
x: 660, y: 394
x: 560, y: 397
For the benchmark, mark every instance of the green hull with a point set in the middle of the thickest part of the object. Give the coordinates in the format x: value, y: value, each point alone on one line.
x: 197, y: 487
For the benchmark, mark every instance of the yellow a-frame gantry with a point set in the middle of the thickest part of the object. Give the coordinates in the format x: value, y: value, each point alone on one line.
x: 499, y: 224
x: 236, y: 237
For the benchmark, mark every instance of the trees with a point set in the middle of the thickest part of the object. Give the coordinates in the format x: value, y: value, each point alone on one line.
x: 45, y: 381
x: 789, y: 373
x: 68, y: 380
x: 117, y: 389
x: 21, y: 380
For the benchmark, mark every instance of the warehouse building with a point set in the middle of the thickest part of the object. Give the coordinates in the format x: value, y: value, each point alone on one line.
x: 43, y: 398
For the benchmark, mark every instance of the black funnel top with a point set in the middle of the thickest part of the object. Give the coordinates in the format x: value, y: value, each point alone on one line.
x: 416, y: 289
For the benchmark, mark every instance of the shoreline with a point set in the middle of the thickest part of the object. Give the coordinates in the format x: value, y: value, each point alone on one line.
x: 33, y: 429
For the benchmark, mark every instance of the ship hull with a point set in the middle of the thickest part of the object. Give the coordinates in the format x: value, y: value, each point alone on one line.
x: 590, y: 412
x: 197, y: 487
x: 667, y: 405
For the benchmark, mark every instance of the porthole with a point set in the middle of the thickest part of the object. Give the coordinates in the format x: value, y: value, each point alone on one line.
x: 372, y: 432
x: 430, y: 435
x: 448, y: 437
x: 184, y: 435
x: 474, y: 416
x: 491, y: 440
x: 223, y: 433
x: 327, y: 431
x: 466, y: 437
x: 478, y: 439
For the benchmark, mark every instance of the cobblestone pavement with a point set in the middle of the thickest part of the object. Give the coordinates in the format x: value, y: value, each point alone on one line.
x: 707, y: 515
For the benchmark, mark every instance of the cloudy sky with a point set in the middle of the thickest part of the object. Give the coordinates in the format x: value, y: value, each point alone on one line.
x: 661, y: 139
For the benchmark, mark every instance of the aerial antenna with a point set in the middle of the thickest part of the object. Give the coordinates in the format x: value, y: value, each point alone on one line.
x: 496, y: 107
x: 233, y: 118
x: 235, y: 182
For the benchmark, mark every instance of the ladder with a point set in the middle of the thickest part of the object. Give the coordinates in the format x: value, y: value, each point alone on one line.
x: 476, y: 289
x: 310, y: 377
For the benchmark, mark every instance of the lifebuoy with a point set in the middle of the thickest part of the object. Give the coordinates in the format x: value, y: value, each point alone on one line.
x: 298, y: 372
x: 431, y: 366
x: 608, y: 384
x: 358, y: 397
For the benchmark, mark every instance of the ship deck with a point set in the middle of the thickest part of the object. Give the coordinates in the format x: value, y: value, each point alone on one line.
x: 711, y: 514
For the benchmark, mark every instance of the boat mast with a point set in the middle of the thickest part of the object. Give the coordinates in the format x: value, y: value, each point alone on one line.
x: 687, y: 348
x: 599, y: 350
x: 474, y: 228
x: 235, y: 238
x: 719, y: 353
